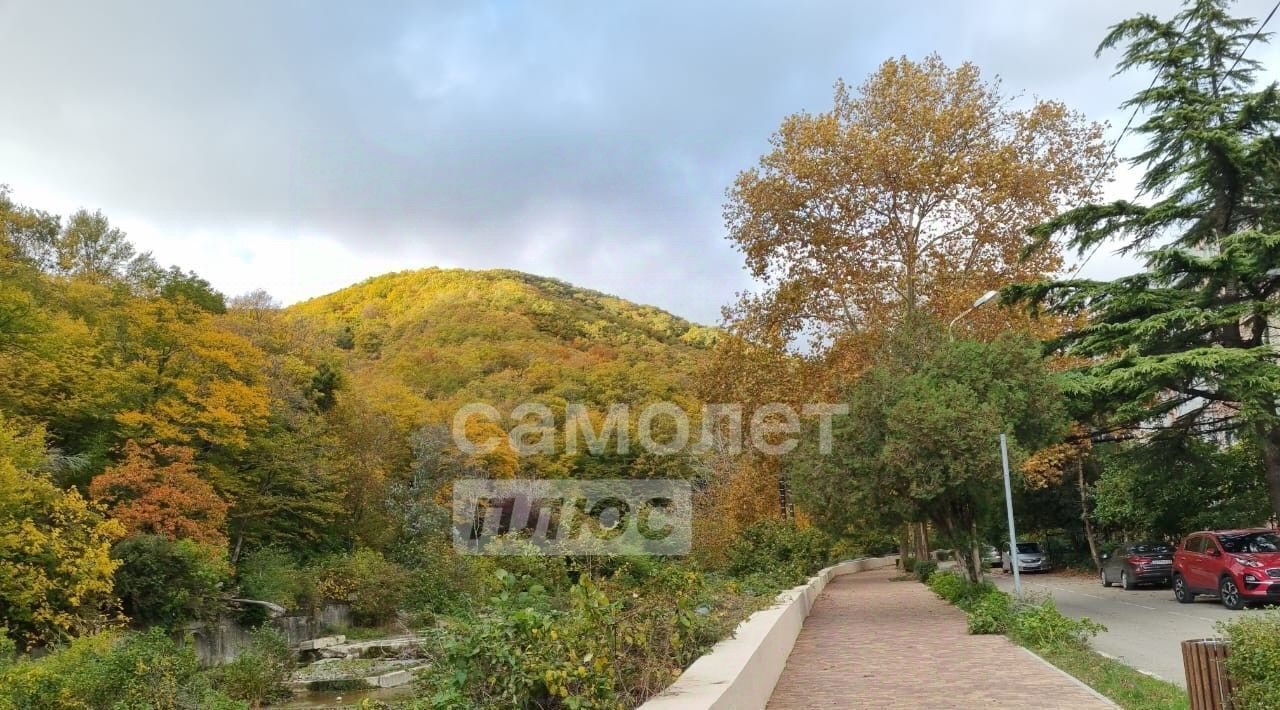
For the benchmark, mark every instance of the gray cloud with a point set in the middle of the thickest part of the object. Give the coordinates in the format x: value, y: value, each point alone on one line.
x: 589, y: 141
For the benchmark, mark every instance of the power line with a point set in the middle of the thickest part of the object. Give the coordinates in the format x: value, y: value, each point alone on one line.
x: 1247, y: 45
x: 1112, y: 153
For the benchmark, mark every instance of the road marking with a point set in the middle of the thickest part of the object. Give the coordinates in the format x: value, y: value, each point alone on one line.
x: 1118, y: 659
x: 1095, y: 596
x: 1190, y: 616
x: 1072, y: 591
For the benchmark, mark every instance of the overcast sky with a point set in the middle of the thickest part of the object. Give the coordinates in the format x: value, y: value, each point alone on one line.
x: 303, y: 146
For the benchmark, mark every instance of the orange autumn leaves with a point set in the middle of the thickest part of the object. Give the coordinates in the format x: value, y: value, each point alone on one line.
x: 912, y: 194
x: 157, y: 489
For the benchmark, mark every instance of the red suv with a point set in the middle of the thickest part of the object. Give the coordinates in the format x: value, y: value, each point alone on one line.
x: 1238, y: 566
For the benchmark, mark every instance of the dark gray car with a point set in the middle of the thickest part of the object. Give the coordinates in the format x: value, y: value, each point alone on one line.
x: 1138, y: 563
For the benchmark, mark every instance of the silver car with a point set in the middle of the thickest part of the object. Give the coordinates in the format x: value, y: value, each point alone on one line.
x: 1031, y: 558
x: 991, y: 557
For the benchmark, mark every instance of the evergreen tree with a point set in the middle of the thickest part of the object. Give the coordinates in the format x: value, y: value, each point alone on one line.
x: 1182, y: 348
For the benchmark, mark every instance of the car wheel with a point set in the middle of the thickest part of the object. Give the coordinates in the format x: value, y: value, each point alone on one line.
x: 1230, y: 594
x: 1127, y: 582
x: 1105, y: 582
x: 1180, y: 590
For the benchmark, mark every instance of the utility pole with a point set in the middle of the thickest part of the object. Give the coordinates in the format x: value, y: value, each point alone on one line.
x: 1008, y: 504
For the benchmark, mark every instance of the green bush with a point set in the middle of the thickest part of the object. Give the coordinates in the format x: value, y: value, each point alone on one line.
x: 1254, y: 662
x: 445, y: 581
x: 525, y: 652
x: 374, y: 586
x: 948, y: 585
x: 168, y: 582
x: 771, y: 545
x: 990, y: 613
x: 1039, y: 625
x: 1035, y: 624
x: 924, y: 569
x: 953, y: 587
x: 271, y: 574
x: 8, y: 648
x: 523, y: 559
x: 112, y: 671
x: 260, y: 672
x: 908, y: 564
x: 598, y: 645
x: 769, y: 584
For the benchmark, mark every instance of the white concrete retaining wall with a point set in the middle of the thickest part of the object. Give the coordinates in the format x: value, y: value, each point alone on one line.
x: 739, y: 673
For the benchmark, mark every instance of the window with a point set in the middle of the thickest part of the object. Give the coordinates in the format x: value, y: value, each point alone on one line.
x: 1194, y: 544
x: 1150, y: 548
x: 1028, y: 548
x: 1251, y: 542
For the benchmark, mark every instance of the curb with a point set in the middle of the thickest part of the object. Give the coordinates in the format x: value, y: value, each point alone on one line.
x: 740, y: 672
x: 1079, y: 683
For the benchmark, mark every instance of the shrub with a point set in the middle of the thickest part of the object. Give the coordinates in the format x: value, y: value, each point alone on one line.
x: 374, y: 586
x: 990, y: 613
x: 260, y: 672
x: 524, y: 652
x: 598, y: 645
x: 271, y: 574
x: 1254, y: 663
x: 168, y: 582
x: 948, y: 585
x: 770, y: 545
x: 954, y: 588
x: 112, y: 670
x: 1040, y: 625
x: 523, y: 559
x: 925, y: 568
x: 8, y: 649
x: 908, y: 564
x: 769, y: 583
x: 445, y: 581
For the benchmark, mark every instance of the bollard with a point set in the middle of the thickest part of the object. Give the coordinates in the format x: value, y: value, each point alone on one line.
x: 1208, y: 684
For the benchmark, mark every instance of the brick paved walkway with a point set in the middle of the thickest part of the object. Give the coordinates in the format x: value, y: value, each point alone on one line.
x: 872, y: 643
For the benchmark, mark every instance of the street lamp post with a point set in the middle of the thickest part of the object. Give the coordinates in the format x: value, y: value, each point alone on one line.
x: 983, y: 300
x: 1004, y: 455
x: 1008, y: 506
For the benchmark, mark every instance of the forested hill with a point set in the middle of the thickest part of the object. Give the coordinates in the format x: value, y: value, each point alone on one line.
x: 421, y: 343
x: 140, y: 408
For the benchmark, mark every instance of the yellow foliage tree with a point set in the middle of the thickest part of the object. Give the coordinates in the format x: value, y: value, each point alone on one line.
x: 1051, y: 465
x: 909, y: 198
x: 912, y: 194
x: 189, y: 380
x: 55, y: 548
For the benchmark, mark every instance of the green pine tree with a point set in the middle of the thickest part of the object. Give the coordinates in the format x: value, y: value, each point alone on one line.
x: 1182, y: 348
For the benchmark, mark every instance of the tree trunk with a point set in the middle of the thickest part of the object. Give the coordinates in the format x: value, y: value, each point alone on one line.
x: 975, y: 549
x: 1270, y: 437
x: 904, y: 543
x: 920, y: 541
x: 1084, y: 514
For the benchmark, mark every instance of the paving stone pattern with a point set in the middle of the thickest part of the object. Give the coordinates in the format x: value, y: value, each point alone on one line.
x: 873, y: 643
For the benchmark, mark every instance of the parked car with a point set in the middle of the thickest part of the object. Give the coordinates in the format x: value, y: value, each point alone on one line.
x: 1238, y: 566
x: 990, y: 556
x: 1138, y: 563
x: 1030, y: 558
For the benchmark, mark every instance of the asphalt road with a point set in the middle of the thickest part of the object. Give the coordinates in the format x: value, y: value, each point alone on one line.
x: 1144, y: 626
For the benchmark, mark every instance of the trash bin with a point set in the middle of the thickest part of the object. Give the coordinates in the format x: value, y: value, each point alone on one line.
x: 1208, y: 684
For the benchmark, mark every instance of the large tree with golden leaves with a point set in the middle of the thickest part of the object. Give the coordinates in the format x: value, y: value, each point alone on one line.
x: 911, y: 196
x: 913, y: 193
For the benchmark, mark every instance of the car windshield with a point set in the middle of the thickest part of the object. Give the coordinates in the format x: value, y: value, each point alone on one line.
x: 1028, y: 548
x: 1152, y: 548
x: 1252, y: 542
